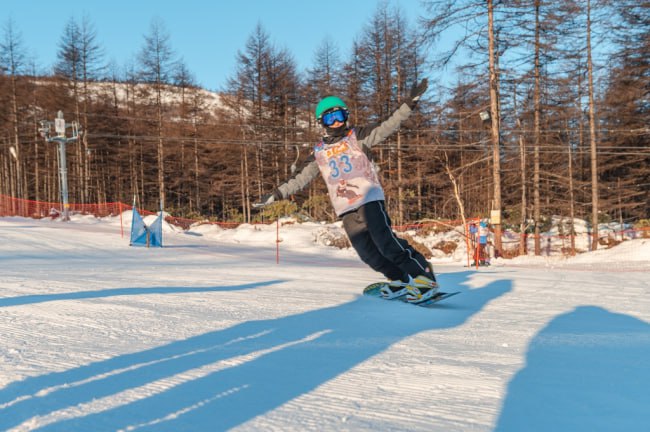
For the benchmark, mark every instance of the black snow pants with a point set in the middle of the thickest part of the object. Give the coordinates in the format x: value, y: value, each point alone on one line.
x: 370, y: 232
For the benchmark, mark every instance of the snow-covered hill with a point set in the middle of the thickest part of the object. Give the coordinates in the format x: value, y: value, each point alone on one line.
x: 209, y: 333
x: 210, y: 101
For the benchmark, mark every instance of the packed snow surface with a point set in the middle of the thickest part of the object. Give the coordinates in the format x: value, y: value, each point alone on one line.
x: 211, y: 333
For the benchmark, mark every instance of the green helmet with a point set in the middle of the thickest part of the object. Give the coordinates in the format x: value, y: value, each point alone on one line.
x: 327, y: 103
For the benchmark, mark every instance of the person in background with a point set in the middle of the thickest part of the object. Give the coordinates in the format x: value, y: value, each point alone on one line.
x: 473, y: 238
x: 358, y: 197
x: 483, y: 232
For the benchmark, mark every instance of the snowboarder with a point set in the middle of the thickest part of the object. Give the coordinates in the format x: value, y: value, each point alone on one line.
x: 340, y: 158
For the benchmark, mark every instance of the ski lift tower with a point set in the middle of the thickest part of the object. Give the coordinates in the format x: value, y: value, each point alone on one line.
x: 60, y: 128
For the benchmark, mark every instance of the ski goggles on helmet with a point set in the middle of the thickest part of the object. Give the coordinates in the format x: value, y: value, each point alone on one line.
x: 331, y: 117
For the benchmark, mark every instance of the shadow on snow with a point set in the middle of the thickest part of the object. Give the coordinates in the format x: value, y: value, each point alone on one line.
x: 264, y: 364
x: 587, y: 370
x: 116, y: 292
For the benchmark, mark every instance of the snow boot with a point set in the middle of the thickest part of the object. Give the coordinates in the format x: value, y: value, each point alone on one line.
x: 420, y: 289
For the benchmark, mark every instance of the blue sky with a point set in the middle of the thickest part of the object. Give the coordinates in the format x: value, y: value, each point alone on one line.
x: 206, y: 34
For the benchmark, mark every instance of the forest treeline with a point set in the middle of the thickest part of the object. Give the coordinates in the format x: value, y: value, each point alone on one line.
x: 543, y: 109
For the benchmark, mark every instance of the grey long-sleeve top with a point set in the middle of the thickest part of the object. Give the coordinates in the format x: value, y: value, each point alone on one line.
x: 366, y: 136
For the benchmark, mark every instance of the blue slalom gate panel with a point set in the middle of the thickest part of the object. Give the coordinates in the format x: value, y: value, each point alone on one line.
x: 155, y: 232
x: 139, y: 230
x: 142, y: 235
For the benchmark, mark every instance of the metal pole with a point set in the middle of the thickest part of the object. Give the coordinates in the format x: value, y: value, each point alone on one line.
x: 59, y: 125
x: 60, y: 138
x: 64, y: 181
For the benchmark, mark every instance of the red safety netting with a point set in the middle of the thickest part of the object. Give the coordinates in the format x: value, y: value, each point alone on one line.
x: 10, y: 206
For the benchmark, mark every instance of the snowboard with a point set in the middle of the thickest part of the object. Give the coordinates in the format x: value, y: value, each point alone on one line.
x: 372, y: 290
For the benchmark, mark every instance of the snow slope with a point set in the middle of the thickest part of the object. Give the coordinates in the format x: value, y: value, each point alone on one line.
x: 209, y: 333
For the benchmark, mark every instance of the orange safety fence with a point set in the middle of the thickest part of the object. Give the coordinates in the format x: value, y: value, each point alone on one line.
x: 10, y: 206
x: 185, y: 223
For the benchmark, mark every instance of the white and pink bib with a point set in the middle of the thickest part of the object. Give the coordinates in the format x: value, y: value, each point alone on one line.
x: 350, y: 176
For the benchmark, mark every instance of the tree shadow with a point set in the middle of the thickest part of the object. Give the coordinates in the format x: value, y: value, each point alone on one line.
x: 116, y: 292
x: 587, y: 370
x: 257, y: 366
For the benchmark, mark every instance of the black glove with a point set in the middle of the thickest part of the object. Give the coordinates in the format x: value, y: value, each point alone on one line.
x: 268, y: 199
x: 416, y: 92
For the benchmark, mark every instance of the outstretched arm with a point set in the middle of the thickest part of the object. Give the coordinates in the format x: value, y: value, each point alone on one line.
x: 374, y: 134
x: 308, y: 173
